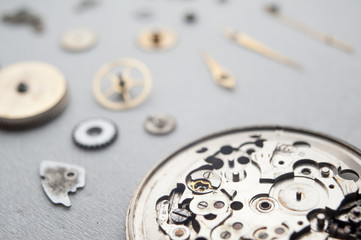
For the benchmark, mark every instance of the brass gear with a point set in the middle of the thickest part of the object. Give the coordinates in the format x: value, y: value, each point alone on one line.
x: 31, y: 93
x: 119, y: 74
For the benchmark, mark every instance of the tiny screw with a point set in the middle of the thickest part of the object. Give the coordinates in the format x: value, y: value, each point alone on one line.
x: 225, y: 235
x: 202, y: 205
x: 180, y: 215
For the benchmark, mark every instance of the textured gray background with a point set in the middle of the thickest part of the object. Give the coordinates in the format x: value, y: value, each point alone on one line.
x: 324, y: 96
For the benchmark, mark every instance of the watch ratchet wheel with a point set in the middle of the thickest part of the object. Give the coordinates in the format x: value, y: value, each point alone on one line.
x: 122, y: 84
x: 31, y: 94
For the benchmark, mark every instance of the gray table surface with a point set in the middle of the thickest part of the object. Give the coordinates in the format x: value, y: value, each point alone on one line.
x: 324, y: 96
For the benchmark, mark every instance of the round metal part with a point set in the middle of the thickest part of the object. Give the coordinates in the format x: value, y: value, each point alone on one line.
x: 78, y: 40
x: 122, y: 84
x: 297, y: 184
x: 31, y: 93
x: 159, y: 124
x: 95, y: 133
x: 156, y: 39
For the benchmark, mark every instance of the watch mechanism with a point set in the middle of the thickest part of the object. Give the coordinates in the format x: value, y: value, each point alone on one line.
x: 34, y: 93
x: 253, y: 183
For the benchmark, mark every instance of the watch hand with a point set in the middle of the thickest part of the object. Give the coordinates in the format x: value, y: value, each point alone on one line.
x: 307, y: 30
x: 250, y: 43
x: 221, y: 76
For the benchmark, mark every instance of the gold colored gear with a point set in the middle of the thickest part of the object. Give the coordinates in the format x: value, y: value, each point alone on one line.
x: 31, y: 93
x: 200, y: 185
x: 157, y: 39
x: 122, y: 84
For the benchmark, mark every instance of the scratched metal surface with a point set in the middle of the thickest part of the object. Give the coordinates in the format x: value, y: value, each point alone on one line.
x: 324, y: 96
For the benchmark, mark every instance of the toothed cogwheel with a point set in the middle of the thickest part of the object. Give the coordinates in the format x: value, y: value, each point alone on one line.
x: 95, y: 133
x: 31, y: 93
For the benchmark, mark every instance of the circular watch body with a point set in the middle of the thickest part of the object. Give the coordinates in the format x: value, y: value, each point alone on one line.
x: 252, y: 183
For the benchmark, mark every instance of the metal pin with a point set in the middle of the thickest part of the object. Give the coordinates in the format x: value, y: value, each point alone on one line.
x: 231, y: 163
x: 328, y: 39
x: 252, y: 44
x: 325, y: 172
x: 321, y: 217
x: 235, y: 177
x: 298, y: 196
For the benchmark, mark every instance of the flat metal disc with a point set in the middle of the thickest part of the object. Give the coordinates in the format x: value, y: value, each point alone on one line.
x: 29, y: 90
x: 78, y: 40
x: 262, y: 182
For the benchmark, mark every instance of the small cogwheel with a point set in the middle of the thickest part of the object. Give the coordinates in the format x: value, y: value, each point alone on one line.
x: 95, y: 133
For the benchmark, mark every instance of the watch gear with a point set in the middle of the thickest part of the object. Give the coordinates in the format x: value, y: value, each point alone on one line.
x: 78, y: 40
x: 122, y: 84
x: 159, y: 124
x: 31, y: 93
x: 157, y: 39
x: 58, y: 179
x: 95, y: 133
x: 259, y: 183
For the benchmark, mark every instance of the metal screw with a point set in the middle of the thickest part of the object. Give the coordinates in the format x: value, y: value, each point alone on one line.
x: 225, y: 235
x: 202, y: 205
x: 180, y: 215
x: 263, y: 235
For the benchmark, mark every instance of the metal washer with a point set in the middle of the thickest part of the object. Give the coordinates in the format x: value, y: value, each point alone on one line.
x: 95, y: 133
x: 159, y: 124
